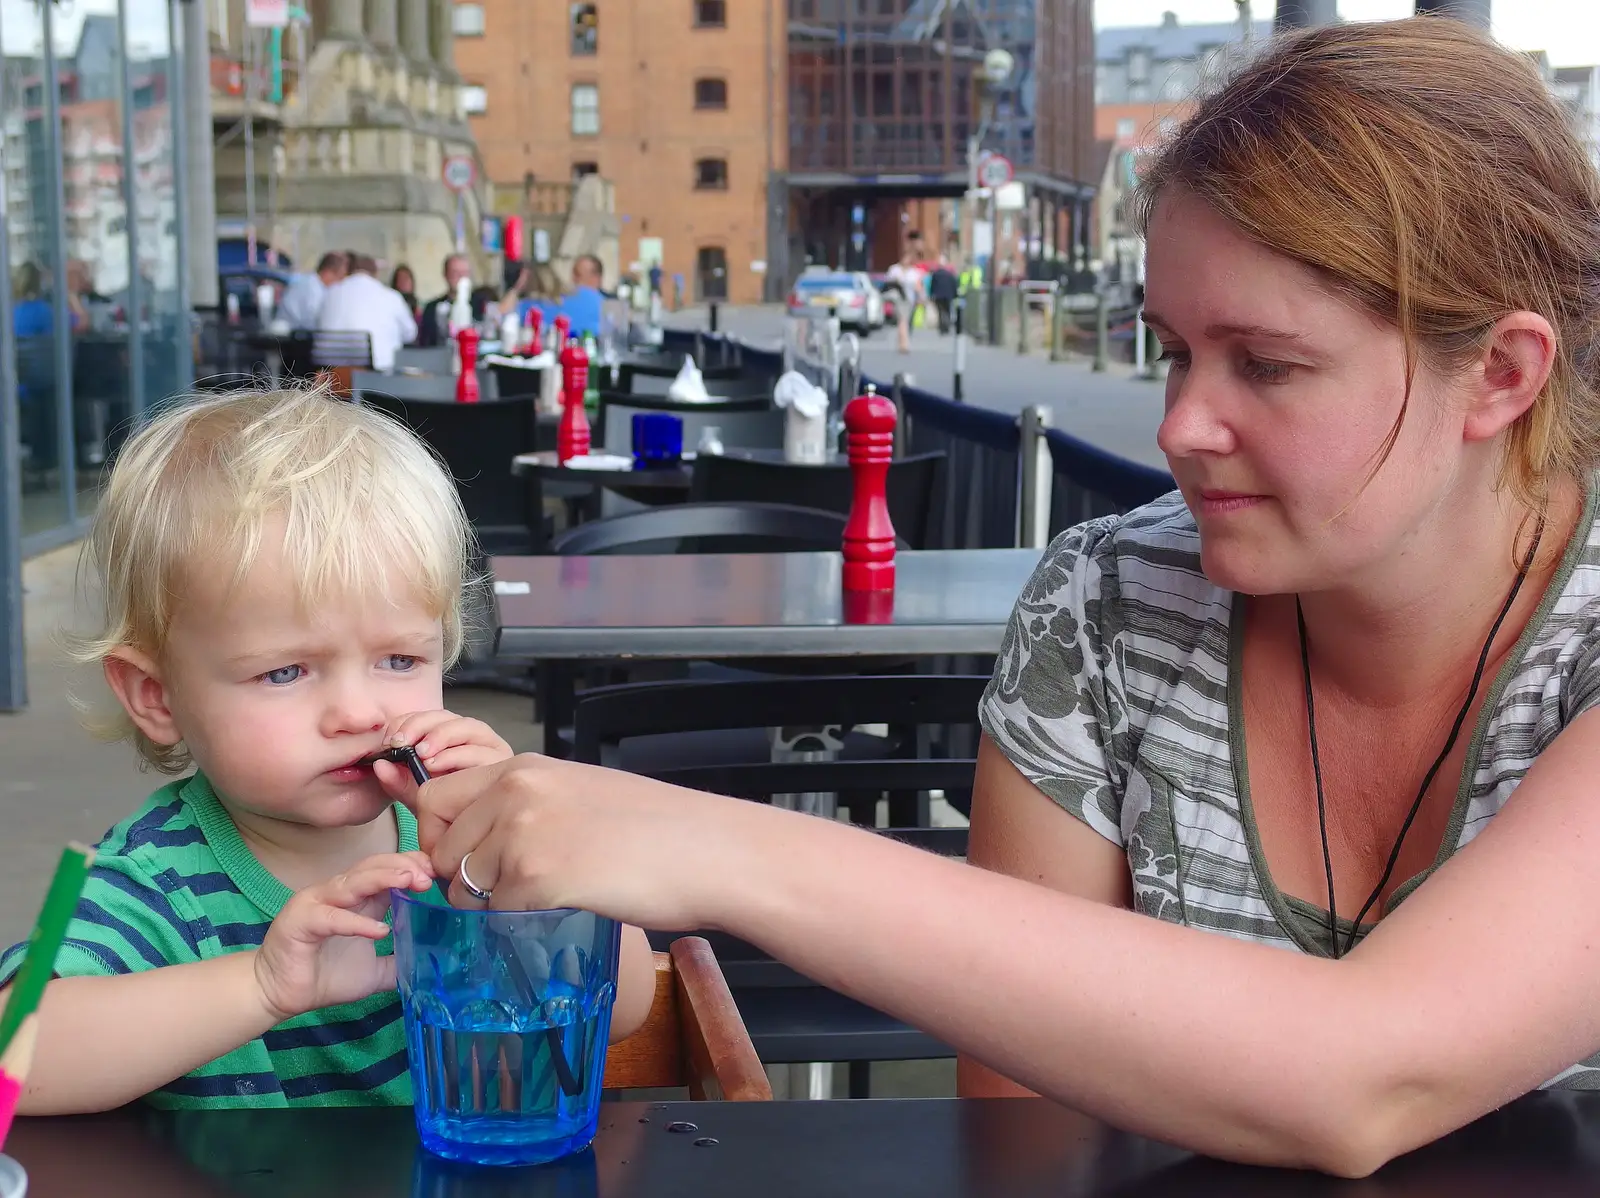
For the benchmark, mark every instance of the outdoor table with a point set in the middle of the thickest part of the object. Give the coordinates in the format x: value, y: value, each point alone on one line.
x: 559, y: 611
x: 727, y: 605
x: 675, y: 477
x: 1545, y: 1144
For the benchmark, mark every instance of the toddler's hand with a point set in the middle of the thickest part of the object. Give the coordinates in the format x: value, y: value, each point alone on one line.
x: 446, y: 742
x: 319, y: 951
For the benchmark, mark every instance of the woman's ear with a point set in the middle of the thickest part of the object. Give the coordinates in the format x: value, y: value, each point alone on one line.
x: 135, y: 678
x: 1516, y: 364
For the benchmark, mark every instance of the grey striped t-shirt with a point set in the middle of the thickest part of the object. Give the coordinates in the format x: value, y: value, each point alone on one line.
x: 1117, y: 694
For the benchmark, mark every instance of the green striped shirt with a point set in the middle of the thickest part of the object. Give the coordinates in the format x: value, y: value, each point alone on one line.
x: 174, y: 883
x: 1117, y: 693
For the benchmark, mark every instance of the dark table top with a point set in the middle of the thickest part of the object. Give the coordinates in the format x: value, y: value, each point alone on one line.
x: 724, y: 605
x: 1543, y: 1146
x: 545, y: 464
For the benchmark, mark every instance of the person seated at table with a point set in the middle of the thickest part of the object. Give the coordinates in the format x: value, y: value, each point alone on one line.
x: 301, y: 305
x: 282, y: 577
x: 363, y: 303
x: 1284, y: 828
x: 582, y: 305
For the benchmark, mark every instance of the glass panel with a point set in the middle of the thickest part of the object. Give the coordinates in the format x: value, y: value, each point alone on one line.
x: 89, y: 63
x: 29, y: 154
x: 151, y: 79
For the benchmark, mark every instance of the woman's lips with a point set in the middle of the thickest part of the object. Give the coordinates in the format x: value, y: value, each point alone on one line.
x: 1221, y: 503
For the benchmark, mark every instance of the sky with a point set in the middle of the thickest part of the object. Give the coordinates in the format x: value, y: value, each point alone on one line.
x: 1568, y: 30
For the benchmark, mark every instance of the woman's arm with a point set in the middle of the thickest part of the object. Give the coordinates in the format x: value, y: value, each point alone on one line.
x: 1477, y: 989
x: 1018, y: 830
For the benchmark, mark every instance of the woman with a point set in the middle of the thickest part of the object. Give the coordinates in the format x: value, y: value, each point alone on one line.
x: 405, y: 283
x: 1334, y: 699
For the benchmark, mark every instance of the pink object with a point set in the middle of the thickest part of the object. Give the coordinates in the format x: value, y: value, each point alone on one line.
x: 869, y: 533
x: 563, y: 327
x: 467, y: 380
x: 10, y: 1095
x: 572, y: 435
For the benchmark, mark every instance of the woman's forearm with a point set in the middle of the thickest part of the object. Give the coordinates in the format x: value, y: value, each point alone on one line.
x: 1211, y: 1043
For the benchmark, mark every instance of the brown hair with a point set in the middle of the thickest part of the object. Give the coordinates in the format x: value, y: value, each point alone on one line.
x: 1428, y: 175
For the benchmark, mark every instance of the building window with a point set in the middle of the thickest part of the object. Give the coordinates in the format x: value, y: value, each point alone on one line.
x: 467, y: 20
x: 711, y: 174
x: 710, y: 93
x: 474, y: 99
x: 585, y: 109
x: 711, y: 273
x: 710, y: 14
x: 585, y: 30
x: 580, y: 169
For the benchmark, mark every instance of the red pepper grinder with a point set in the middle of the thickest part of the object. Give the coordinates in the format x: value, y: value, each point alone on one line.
x: 869, y: 534
x: 467, y: 380
x: 563, y: 327
x: 572, y: 435
x: 533, y: 332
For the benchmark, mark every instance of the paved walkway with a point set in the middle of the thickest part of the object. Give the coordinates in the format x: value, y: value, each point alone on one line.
x: 1114, y: 410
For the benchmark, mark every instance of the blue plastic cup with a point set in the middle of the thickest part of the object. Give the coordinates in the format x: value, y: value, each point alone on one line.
x: 657, y: 439
x: 507, y: 1017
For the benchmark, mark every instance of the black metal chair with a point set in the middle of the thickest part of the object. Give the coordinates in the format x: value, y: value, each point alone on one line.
x: 339, y: 347
x: 745, y: 420
x: 914, y: 487
x: 708, y: 528
x: 791, y: 1018
x: 477, y: 442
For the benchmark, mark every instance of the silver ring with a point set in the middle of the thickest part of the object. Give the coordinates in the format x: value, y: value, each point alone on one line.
x: 472, y: 887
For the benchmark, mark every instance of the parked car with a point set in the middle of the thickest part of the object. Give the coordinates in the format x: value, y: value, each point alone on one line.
x: 848, y: 295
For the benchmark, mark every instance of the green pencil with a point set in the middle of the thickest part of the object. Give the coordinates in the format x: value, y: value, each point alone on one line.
x: 60, y: 901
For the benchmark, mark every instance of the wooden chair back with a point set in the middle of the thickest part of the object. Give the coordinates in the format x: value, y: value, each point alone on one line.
x: 693, y: 1035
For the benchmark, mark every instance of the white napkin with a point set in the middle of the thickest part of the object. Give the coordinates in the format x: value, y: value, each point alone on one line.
x: 689, y: 386
x: 542, y: 362
x: 805, y: 425
x: 599, y: 461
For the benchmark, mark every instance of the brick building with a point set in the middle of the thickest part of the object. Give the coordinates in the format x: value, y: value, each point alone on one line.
x: 677, y: 102
x: 748, y: 137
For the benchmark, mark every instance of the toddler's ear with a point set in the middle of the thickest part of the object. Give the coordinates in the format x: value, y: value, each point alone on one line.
x: 136, y: 681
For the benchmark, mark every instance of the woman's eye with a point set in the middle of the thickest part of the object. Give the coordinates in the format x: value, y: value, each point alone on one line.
x: 283, y: 675
x: 401, y: 662
x: 1260, y: 371
x: 1178, y: 357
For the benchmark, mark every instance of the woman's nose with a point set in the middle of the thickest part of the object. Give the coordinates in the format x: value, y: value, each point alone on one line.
x: 1193, y: 423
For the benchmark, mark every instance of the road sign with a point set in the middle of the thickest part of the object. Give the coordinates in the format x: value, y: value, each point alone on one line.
x: 266, y: 14
x: 994, y: 170
x: 459, y: 173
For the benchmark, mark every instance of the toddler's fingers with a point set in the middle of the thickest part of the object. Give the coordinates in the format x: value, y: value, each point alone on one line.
x: 459, y: 731
x: 323, y: 922
x: 412, y: 727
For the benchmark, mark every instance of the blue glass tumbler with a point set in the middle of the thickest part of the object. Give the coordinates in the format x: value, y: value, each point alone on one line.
x: 657, y: 439
x: 507, y: 1017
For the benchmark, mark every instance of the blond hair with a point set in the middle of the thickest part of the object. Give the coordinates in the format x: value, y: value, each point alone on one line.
x: 360, y: 500
x: 1427, y: 174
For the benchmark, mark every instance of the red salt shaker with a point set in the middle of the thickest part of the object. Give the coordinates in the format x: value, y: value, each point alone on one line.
x: 467, y: 380
x: 572, y: 435
x: 563, y: 328
x: 532, y: 334
x: 869, y: 534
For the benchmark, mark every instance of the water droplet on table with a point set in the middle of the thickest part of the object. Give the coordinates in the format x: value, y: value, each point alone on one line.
x: 681, y: 1128
x: 706, y: 1142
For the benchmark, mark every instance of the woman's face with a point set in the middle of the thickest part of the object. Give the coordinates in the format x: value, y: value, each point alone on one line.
x: 403, y: 281
x: 1279, y: 401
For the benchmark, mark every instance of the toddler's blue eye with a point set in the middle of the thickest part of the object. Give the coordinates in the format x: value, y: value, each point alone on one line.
x: 401, y: 662
x: 283, y: 675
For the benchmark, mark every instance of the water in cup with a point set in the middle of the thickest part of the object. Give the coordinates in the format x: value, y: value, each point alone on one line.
x: 507, y: 1018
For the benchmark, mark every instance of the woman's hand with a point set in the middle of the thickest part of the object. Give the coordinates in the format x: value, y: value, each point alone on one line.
x: 545, y: 833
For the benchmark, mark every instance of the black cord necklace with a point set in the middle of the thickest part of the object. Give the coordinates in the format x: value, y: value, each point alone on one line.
x: 1427, y: 781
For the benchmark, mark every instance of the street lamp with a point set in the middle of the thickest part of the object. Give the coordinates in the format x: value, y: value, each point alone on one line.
x: 996, y: 69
